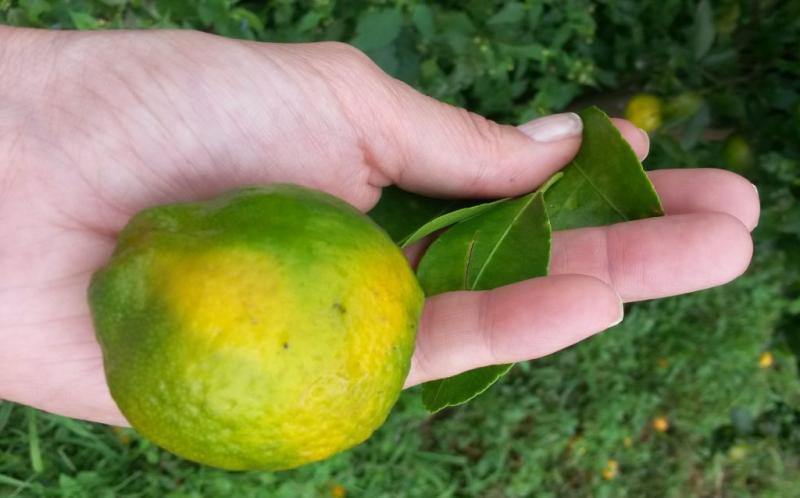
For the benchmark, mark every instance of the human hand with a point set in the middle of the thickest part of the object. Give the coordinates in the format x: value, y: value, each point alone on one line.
x: 97, y: 126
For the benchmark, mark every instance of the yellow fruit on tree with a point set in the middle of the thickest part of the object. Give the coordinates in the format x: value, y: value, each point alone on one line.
x: 645, y: 111
x: 682, y: 106
x: 737, y: 154
x: 264, y: 329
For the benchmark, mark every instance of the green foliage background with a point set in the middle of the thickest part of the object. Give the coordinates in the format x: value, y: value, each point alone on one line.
x: 552, y: 426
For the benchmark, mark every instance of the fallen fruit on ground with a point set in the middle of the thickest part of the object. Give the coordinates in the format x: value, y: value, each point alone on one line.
x: 264, y: 329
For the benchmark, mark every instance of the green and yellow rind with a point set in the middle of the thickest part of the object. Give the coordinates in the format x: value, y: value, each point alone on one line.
x: 265, y: 329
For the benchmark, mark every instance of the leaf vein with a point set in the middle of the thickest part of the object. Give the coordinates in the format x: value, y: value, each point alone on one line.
x: 500, y: 241
x: 468, y: 259
x: 597, y: 189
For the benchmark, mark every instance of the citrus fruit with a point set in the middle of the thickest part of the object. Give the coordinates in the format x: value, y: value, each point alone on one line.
x: 738, y: 154
x: 644, y: 110
x: 682, y: 106
x: 264, y: 329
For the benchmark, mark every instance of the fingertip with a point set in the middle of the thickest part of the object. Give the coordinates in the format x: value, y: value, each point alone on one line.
x: 464, y: 330
x: 638, y: 139
x: 741, y: 195
x: 701, y: 190
x: 537, y: 317
x: 735, y: 244
x: 717, y: 248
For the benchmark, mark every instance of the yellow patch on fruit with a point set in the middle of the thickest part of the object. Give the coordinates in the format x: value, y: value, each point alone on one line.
x: 228, y: 295
x: 238, y: 308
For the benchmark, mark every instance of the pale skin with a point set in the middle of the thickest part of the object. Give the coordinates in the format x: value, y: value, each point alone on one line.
x: 96, y: 126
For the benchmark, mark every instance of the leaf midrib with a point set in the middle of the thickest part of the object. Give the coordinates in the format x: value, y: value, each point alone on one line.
x: 500, y: 241
x: 578, y: 167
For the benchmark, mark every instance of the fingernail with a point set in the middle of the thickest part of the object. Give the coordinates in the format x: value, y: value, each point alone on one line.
x: 645, y: 136
x: 621, y: 315
x: 553, y: 128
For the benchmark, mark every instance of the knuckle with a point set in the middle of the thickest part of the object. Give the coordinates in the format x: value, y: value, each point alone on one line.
x: 487, y: 132
x: 622, y: 261
x: 484, y: 143
x: 350, y: 56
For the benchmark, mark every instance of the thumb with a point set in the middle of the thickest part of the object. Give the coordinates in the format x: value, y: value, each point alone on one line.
x: 437, y: 149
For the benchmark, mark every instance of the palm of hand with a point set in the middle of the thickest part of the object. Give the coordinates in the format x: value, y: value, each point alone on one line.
x: 131, y: 134
x: 174, y: 117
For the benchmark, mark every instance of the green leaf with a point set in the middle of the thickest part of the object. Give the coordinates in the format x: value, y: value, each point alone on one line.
x: 703, y: 29
x: 553, y: 93
x: 34, y: 449
x: 452, y: 391
x: 509, y: 240
x: 605, y: 182
x: 213, y: 12
x: 742, y: 420
x: 447, y: 219
x: 243, y: 15
x: 408, y: 57
x: 377, y: 29
x: 309, y: 21
x: 401, y: 213
x: 34, y: 9
x: 506, y: 242
x: 473, y: 254
x: 386, y: 59
x: 694, y: 129
x: 83, y: 21
x: 422, y: 17
x: 451, y: 216
x: 511, y: 13
x: 5, y: 413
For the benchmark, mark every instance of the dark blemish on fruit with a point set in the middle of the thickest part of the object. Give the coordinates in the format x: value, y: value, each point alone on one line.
x: 340, y: 308
x: 285, y: 345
